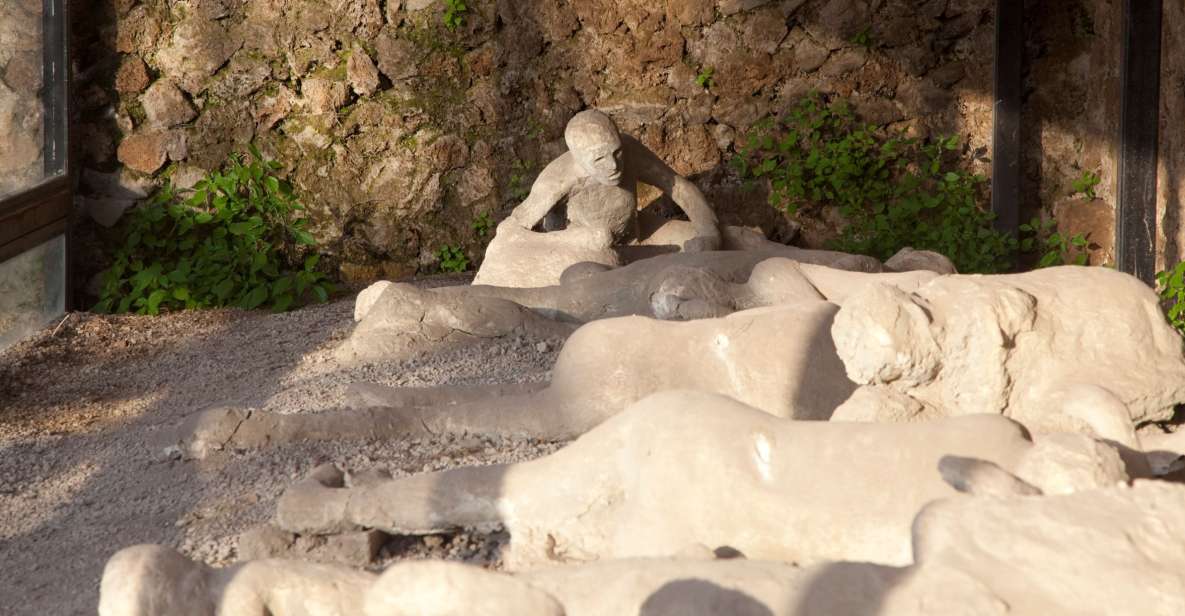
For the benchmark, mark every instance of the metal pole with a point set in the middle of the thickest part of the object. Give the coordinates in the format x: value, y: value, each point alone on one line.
x: 54, y: 82
x: 1139, y: 139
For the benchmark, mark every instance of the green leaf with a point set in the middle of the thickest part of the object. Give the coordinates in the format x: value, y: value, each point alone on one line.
x: 282, y: 303
x: 239, y: 228
x: 155, y: 299
x: 257, y: 296
x: 303, y: 237
x: 181, y: 293
x: 281, y: 286
x: 222, y: 289
x: 321, y: 293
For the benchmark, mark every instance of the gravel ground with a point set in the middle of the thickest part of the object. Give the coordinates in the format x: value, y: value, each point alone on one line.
x: 82, y: 406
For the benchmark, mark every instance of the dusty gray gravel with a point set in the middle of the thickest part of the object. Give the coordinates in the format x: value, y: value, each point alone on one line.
x: 81, y: 412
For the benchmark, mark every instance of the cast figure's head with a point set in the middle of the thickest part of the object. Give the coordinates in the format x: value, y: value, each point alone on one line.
x: 595, y: 144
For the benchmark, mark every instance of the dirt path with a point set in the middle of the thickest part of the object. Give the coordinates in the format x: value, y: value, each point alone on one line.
x: 82, y: 411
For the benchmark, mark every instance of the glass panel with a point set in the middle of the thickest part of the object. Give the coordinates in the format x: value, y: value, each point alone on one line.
x: 32, y: 290
x: 31, y: 143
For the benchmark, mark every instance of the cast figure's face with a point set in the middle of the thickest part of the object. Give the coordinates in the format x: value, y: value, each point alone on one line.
x: 601, y: 161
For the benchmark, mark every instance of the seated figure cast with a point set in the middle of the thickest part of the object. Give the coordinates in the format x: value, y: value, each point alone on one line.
x: 598, y: 178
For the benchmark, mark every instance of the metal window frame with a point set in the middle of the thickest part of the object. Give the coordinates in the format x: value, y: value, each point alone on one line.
x: 34, y: 216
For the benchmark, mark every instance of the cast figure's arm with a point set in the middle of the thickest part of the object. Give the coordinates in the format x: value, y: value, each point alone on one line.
x: 553, y: 184
x: 652, y: 170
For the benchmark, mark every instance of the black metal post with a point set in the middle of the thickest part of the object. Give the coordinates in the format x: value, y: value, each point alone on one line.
x: 1139, y: 139
x: 54, y: 86
x: 1007, y: 74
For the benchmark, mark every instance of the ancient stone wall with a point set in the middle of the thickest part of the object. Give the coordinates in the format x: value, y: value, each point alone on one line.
x: 400, y: 132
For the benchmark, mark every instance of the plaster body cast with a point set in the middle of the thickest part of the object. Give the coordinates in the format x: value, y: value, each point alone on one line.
x: 598, y: 179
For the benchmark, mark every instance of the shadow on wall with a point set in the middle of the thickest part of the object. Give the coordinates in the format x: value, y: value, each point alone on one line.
x: 1071, y: 117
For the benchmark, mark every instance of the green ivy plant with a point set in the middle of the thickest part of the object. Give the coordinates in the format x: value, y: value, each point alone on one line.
x: 452, y: 259
x: 519, y: 189
x: 482, y: 225
x: 893, y: 191
x: 237, y: 240
x: 1085, y: 184
x: 534, y: 128
x: 1171, y: 284
x: 704, y: 78
x: 1056, y: 248
x: 864, y: 38
x: 454, y: 13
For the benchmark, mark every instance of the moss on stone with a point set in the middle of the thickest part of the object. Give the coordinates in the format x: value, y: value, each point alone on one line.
x: 331, y: 73
x: 473, y: 134
x: 168, y: 171
x: 135, y: 111
x: 344, y: 113
x: 409, y: 142
x: 212, y: 101
x: 429, y: 40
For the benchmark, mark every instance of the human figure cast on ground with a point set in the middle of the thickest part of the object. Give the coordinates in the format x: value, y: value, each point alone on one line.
x: 759, y: 429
